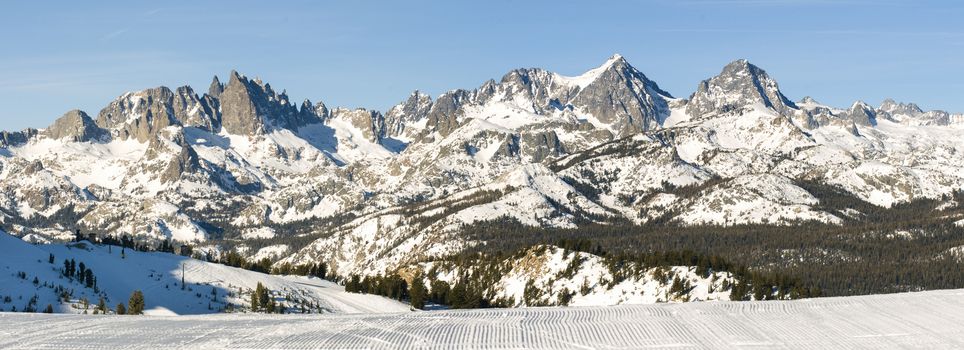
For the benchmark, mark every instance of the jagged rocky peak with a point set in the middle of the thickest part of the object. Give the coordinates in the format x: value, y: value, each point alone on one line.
x: 808, y: 101
x: 140, y: 115
x: 321, y: 110
x: 413, y: 109
x: 251, y: 107
x: 816, y: 114
x: 16, y: 138
x: 446, y: 112
x: 189, y: 110
x: 862, y: 114
x: 216, y: 88
x: 317, y: 111
x: 614, y: 93
x: 892, y: 107
x: 912, y: 114
x: 736, y: 89
x: 533, y: 84
x: 620, y: 95
x: 75, y: 126
x: 242, y: 107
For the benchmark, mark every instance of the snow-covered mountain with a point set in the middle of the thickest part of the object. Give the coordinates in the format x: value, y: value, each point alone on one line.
x: 368, y: 191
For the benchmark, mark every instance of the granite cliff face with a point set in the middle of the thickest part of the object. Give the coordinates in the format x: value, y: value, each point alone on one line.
x: 250, y: 107
x: 738, y: 87
x: 75, y: 126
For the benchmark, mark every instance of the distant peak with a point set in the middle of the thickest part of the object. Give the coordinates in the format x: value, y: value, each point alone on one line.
x: 891, y: 106
x: 809, y: 100
x: 742, y: 66
x: 739, y: 78
x: 616, y: 61
x: 216, y: 87
x: 615, y: 58
x: 859, y: 105
x: 76, y: 114
x: 418, y: 94
x: 75, y: 125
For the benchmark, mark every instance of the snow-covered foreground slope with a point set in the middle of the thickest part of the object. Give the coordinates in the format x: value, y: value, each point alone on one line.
x: 926, y: 320
x: 158, y: 275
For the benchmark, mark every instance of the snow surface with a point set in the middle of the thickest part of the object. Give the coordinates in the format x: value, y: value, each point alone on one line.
x: 554, y: 272
x: 158, y: 275
x: 583, y: 80
x: 924, y: 320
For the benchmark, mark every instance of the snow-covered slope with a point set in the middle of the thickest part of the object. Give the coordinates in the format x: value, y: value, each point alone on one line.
x: 925, y: 320
x: 547, y: 275
x: 209, y: 288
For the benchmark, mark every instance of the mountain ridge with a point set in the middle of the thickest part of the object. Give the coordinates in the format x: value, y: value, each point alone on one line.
x: 544, y: 149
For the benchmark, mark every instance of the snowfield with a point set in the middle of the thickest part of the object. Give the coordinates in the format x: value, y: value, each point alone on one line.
x: 120, y: 272
x: 926, y: 320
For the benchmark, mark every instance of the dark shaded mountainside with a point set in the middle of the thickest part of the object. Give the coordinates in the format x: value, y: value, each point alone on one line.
x: 849, y: 200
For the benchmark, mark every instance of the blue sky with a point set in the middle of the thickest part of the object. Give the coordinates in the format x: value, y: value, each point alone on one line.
x: 57, y: 56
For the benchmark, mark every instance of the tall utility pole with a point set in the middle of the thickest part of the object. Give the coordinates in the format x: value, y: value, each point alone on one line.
x: 183, y: 287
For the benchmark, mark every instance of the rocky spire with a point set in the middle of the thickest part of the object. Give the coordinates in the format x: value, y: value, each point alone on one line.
x: 310, y: 113
x: 251, y: 107
x: 216, y: 88
x: 411, y: 110
x: 239, y: 113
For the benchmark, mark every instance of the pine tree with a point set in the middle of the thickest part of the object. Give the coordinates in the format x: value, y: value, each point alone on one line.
x: 266, y: 303
x: 255, y: 303
x: 738, y: 293
x: 417, y: 292
x: 270, y: 308
x: 102, y: 305
x: 136, y: 303
x: 260, y: 298
x: 457, y: 297
x: 49, y: 309
x: 51, y: 258
x: 89, y: 278
x: 121, y: 310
